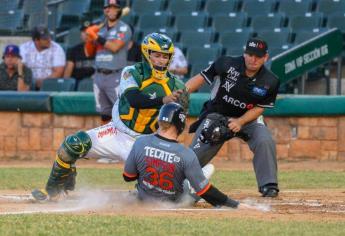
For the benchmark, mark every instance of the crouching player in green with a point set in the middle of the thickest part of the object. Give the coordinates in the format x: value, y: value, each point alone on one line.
x: 144, y: 88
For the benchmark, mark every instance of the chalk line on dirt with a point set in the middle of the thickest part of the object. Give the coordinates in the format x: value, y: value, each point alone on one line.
x: 117, y: 200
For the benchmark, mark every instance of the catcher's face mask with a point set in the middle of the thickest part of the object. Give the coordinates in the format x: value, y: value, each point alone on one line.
x: 156, y: 42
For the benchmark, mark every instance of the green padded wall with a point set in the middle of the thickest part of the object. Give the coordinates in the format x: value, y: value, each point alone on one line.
x: 307, y: 105
x: 74, y: 103
x: 83, y: 103
x: 289, y: 105
x: 25, y: 101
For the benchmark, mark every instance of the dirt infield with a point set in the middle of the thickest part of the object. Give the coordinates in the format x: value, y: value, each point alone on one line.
x: 296, y: 205
x: 314, y: 205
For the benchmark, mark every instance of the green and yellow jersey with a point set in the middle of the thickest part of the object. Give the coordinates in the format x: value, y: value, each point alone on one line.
x: 139, y: 76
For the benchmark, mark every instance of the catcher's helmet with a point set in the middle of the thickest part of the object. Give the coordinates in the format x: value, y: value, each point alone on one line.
x: 158, y: 43
x: 174, y: 114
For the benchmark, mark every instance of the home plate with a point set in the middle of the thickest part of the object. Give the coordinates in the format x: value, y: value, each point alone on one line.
x: 194, y: 209
x: 242, y: 206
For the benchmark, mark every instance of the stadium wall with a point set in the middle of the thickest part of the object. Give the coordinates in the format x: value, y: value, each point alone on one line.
x: 36, y: 136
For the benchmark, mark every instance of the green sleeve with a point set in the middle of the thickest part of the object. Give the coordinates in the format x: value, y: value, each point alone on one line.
x: 179, y: 84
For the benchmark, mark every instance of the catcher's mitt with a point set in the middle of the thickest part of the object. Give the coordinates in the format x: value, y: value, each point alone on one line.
x: 183, y: 99
x: 216, y: 131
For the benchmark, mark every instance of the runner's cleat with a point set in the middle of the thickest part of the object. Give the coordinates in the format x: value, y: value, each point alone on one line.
x: 40, y: 195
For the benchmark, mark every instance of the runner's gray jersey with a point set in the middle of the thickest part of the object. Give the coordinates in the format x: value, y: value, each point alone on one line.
x: 106, y: 59
x: 162, y: 165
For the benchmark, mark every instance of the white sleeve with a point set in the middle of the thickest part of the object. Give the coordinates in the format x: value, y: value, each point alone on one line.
x: 22, y: 51
x: 59, y: 57
x: 127, y: 80
x: 179, y: 60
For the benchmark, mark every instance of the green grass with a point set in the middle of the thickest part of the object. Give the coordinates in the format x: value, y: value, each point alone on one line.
x: 128, y: 225
x: 28, y: 178
x: 197, y: 224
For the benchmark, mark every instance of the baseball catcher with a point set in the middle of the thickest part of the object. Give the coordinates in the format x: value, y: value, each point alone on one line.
x: 144, y: 88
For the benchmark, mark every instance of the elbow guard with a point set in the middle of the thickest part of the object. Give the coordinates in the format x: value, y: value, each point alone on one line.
x: 129, y: 178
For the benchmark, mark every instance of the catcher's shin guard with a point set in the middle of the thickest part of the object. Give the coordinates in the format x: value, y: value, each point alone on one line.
x: 61, y: 179
x: 63, y: 173
x: 61, y: 176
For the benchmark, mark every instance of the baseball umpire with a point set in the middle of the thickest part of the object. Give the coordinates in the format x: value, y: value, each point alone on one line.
x: 109, y: 42
x: 243, y: 88
x: 160, y: 164
x: 144, y: 88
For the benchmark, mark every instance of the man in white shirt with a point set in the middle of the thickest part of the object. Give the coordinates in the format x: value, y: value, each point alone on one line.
x: 179, y: 64
x: 43, y: 56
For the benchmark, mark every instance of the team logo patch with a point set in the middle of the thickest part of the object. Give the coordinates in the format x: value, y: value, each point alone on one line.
x: 126, y: 75
x: 153, y: 95
x: 123, y: 28
x: 182, y: 117
x: 109, y: 131
x: 259, y: 91
x: 121, y: 35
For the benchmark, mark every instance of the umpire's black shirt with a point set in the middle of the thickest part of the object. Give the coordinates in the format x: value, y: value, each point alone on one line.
x: 234, y: 93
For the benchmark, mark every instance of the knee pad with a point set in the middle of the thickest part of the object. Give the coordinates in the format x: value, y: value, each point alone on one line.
x: 208, y: 170
x: 74, y: 147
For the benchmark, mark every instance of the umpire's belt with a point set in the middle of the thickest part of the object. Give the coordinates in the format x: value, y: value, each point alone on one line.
x: 107, y: 71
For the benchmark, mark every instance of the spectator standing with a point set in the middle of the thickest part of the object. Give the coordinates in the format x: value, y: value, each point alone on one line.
x: 79, y: 65
x: 43, y: 56
x: 110, y: 43
x: 13, y: 74
x: 179, y: 64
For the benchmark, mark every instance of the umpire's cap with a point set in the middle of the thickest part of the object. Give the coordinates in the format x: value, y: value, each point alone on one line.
x: 174, y: 114
x: 256, y: 46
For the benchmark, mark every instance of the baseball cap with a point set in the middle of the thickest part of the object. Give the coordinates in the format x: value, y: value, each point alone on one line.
x: 11, y: 50
x: 40, y: 32
x: 256, y: 46
x: 108, y: 3
x: 84, y: 25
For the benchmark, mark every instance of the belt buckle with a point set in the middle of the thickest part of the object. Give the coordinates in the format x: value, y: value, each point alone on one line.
x: 104, y: 71
x: 107, y: 72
